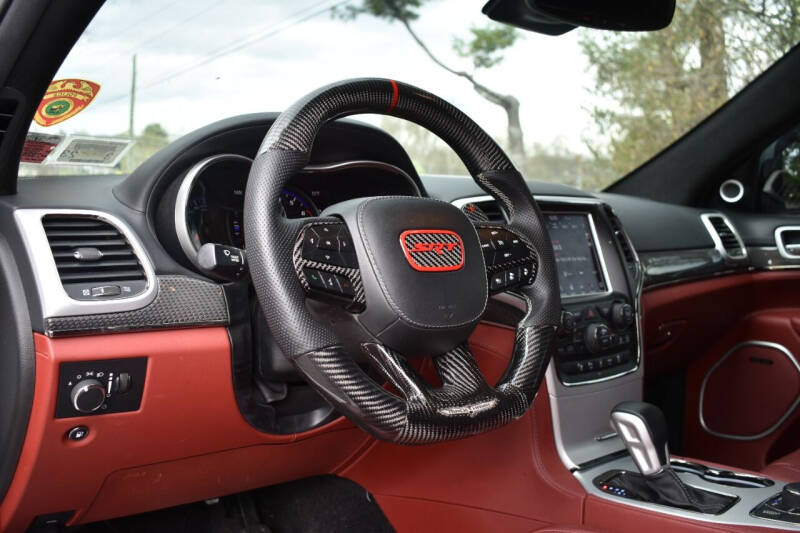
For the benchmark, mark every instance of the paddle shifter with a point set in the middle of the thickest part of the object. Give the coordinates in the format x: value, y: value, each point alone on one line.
x: 643, y: 430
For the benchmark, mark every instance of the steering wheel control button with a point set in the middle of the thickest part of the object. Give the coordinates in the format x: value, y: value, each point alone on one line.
x: 78, y: 433
x: 314, y: 278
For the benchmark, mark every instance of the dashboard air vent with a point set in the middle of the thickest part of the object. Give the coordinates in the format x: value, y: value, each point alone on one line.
x: 491, y: 209
x: 725, y: 238
x: 93, y: 258
x: 622, y: 240
x: 7, y: 109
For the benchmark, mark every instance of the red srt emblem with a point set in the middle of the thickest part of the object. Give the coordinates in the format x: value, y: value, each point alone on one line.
x: 433, y: 250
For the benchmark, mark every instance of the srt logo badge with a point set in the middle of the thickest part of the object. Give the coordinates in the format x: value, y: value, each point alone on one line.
x: 432, y: 250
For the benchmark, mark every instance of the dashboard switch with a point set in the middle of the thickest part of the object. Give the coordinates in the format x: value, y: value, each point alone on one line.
x: 78, y: 433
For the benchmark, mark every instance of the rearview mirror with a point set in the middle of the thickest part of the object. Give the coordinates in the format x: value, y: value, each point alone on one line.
x: 555, y: 17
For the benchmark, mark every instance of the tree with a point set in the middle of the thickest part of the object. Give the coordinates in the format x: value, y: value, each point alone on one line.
x: 661, y: 84
x: 484, y: 48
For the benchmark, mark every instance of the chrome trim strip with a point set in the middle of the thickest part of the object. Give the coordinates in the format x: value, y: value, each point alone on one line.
x: 182, y: 201
x: 54, y: 299
x: 764, y: 344
x: 705, y: 218
x: 783, y: 249
x: 182, y: 198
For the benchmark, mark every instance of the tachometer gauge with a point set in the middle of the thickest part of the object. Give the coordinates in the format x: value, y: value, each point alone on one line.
x: 297, y: 205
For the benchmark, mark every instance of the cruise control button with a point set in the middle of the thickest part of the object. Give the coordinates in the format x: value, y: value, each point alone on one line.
x: 310, y: 239
x: 345, y: 286
x: 502, y: 256
x: 497, y: 281
x: 512, y: 276
x: 314, y: 278
x: 330, y: 281
x: 328, y: 242
x: 525, y: 273
x: 344, y: 241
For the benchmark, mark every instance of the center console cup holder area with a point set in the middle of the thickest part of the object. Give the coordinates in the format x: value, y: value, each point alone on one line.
x: 721, y: 477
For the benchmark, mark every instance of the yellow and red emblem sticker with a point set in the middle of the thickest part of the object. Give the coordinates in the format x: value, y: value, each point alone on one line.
x: 64, y: 99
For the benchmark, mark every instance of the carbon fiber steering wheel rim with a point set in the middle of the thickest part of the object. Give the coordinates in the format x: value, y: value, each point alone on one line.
x: 465, y: 404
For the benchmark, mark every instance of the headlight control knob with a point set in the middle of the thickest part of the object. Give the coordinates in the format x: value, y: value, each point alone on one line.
x: 88, y: 395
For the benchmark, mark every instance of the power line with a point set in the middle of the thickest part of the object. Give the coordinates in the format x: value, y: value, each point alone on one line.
x: 237, y: 45
x: 214, y: 4
x: 135, y: 24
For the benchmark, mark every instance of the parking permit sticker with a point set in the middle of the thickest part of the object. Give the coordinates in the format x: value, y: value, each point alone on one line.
x: 84, y: 150
x: 64, y: 99
x: 38, y: 146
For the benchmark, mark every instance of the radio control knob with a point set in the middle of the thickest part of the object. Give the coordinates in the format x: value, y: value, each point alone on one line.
x: 88, y: 395
x: 597, y: 337
x: 621, y: 315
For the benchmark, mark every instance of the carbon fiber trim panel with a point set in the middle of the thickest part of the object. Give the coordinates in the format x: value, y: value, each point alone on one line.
x: 300, y: 262
x: 181, y: 302
x: 296, y: 128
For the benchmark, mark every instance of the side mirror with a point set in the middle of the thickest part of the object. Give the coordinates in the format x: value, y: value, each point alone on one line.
x: 554, y: 17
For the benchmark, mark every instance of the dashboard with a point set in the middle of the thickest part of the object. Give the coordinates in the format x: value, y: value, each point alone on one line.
x: 209, y: 355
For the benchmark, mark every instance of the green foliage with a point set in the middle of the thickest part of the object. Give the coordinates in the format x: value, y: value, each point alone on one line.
x: 391, y: 10
x: 153, y: 138
x: 657, y: 86
x: 486, y: 46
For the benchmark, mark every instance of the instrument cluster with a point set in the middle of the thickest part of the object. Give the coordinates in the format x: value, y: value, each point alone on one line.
x: 209, y: 206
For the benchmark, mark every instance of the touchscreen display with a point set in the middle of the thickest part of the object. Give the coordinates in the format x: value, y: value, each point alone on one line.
x: 579, y: 272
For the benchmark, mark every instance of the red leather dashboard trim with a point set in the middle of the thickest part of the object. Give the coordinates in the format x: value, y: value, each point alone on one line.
x: 187, y: 441
x: 706, y: 319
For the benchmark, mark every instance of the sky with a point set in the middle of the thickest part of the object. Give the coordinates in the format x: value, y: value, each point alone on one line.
x: 270, y: 53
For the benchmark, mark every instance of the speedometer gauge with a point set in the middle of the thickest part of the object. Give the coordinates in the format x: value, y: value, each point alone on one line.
x: 297, y: 205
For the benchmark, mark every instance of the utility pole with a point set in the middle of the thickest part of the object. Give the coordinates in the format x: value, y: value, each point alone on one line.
x: 133, y: 97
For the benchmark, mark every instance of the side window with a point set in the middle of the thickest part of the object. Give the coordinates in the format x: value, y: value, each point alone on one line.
x: 779, y: 169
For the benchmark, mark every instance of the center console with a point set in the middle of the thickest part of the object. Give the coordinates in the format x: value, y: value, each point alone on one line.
x: 598, y: 364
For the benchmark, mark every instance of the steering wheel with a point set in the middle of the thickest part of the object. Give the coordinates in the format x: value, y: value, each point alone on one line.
x: 388, y: 278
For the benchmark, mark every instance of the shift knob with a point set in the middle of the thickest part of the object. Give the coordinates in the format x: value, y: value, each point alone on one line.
x: 643, y: 429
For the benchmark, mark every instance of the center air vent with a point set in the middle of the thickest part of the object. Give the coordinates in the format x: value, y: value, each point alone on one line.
x: 94, y: 259
x: 724, y: 235
x: 487, y: 205
x: 623, y: 241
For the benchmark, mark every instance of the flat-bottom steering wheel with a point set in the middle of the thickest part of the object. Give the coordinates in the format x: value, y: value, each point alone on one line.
x: 397, y: 277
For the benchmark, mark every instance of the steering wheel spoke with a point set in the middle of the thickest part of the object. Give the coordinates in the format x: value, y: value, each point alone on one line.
x: 326, y: 263
x: 511, y: 260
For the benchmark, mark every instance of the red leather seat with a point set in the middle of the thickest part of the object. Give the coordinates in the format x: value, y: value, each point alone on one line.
x: 787, y: 468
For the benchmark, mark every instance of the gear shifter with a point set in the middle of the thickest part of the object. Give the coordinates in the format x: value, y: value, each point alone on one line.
x: 643, y: 429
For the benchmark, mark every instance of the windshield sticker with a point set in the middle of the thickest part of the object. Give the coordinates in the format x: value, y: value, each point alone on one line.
x: 64, y: 99
x: 84, y: 150
x: 38, y: 146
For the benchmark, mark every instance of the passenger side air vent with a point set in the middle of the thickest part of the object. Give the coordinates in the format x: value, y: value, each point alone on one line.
x: 726, y: 239
x: 94, y: 259
x: 7, y: 109
x: 623, y: 241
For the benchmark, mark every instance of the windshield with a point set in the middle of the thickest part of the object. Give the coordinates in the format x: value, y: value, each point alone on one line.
x: 582, y: 109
